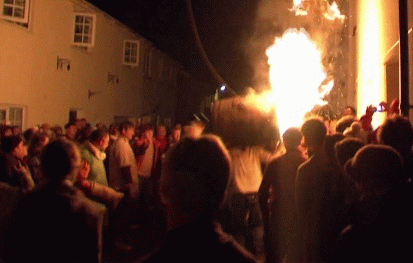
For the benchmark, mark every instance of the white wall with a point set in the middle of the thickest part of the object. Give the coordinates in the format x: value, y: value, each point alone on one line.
x: 28, y: 73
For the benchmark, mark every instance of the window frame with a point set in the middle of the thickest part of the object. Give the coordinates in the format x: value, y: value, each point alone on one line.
x: 91, y: 35
x: 7, y: 108
x: 137, y: 42
x: 26, y: 10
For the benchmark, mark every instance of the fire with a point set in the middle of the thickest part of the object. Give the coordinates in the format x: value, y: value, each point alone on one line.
x: 333, y: 12
x: 330, y: 12
x: 297, y: 78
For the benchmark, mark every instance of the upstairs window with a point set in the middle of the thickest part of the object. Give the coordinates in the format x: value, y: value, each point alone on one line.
x: 84, y: 30
x: 131, y: 53
x: 15, y: 10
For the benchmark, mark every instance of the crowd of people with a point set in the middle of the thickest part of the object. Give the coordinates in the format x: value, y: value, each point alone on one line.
x: 321, y: 193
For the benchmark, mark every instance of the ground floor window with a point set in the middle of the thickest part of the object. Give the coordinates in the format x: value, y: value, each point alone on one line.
x: 12, y: 115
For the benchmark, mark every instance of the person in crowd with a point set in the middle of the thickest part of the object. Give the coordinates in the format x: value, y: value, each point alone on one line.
x: 16, y: 130
x: 5, y: 131
x: 345, y: 122
x: 57, y: 131
x: 345, y: 150
x: 397, y: 132
x: 193, y: 186
x: 83, y: 135
x: 100, y: 125
x: 56, y: 222
x: 123, y: 171
x: 162, y: 139
x: 71, y: 130
x: 245, y: 216
x: 349, y: 111
x: 194, y: 128
x: 380, y: 228
x: 148, y: 156
x: 28, y: 135
x: 329, y: 143
x: 93, y: 152
x: 15, y: 170
x: 277, y: 200
x: 175, y: 135
x: 36, y: 146
x: 320, y: 200
x: 356, y: 131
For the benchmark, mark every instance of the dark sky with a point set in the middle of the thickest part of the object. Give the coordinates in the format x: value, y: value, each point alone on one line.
x: 222, y: 27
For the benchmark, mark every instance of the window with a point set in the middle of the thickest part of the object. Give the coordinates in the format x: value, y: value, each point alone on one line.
x: 12, y: 115
x: 131, y: 53
x: 84, y: 30
x: 148, y: 63
x: 15, y: 10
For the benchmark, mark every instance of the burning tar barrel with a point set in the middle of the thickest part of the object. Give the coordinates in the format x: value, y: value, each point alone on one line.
x: 240, y: 124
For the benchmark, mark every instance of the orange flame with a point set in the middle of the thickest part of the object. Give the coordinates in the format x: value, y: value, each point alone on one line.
x: 297, y: 78
x: 333, y: 12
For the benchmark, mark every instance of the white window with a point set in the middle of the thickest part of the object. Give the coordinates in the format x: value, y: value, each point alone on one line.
x: 12, y: 115
x: 148, y: 63
x: 131, y: 52
x: 15, y: 10
x: 84, y: 30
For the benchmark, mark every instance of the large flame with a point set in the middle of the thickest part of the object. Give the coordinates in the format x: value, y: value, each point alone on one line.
x: 297, y: 77
x: 330, y: 12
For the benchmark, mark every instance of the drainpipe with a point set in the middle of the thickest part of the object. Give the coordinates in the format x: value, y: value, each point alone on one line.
x: 404, y: 58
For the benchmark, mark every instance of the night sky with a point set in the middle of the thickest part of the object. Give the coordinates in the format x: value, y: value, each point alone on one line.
x: 222, y: 26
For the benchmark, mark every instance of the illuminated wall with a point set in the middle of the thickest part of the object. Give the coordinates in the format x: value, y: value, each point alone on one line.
x: 29, y: 75
x: 371, y: 89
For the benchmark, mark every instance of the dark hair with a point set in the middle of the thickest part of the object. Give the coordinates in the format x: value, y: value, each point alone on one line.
x: 124, y: 125
x: 353, y: 110
x: 195, y: 175
x: 292, y: 138
x: 98, y: 135
x: 344, y: 122
x: 397, y: 132
x: 36, y: 143
x: 347, y: 148
x: 71, y: 123
x: 314, y: 130
x: 28, y: 134
x: 8, y: 144
x: 59, y: 159
x: 147, y: 127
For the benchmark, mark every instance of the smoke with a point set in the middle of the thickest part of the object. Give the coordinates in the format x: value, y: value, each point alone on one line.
x: 274, y: 17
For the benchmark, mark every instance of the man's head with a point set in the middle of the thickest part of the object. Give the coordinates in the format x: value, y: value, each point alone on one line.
x: 60, y: 160
x: 292, y: 138
x: 349, y: 110
x: 195, y: 176
x: 127, y: 129
x: 15, y: 146
x: 397, y: 132
x: 376, y: 168
x: 346, y: 149
x: 147, y: 131
x: 161, y: 131
x: 176, y: 133
x: 100, y: 139
x: 314, y: 132
x: 71, y: 129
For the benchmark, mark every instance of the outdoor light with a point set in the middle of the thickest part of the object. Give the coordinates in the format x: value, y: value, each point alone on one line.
x: 223, y: 88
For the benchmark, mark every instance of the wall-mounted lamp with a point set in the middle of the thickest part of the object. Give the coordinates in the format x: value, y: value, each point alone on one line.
x: 113, y: 79
x: 63, y: 61
x: 92, y: 93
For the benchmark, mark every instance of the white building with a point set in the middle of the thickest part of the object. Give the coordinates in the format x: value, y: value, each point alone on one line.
x: 58, y: 56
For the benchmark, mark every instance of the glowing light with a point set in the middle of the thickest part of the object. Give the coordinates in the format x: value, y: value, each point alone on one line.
x: 298, y: 8
x: 371, y: 78
x: 223, y: 88
x: 333, y: 12
x: 297, y: 77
